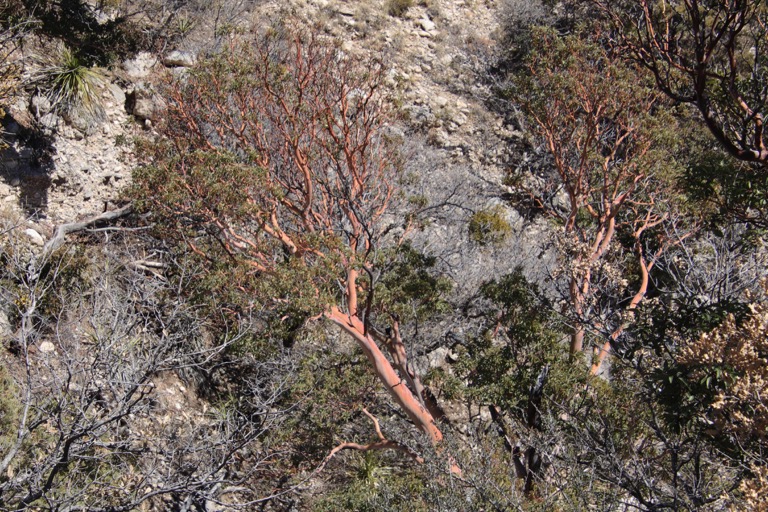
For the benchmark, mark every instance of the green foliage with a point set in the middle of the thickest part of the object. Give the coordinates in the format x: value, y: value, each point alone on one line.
x: 184, y: 25
x: 398, y: 8
x: 679, y: 393
x: 243, y: 200
x: 725, y: 189
x: 328, y: 391
x: 221, y: 184
x: 373, y: 485
x: 726, y: 86
x: 408, y: 288
x: 72, y: 87
x: 67, y: 271
x: 628, y: 131
x: 489, y: 226
x: 521, y: 338
x: 76, y: 24
x: 10, y: 409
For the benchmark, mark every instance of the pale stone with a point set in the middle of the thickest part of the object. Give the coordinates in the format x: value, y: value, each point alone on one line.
x: 427, y: 25
x: 140, y: 66
x: 117, y: 94
x: 179, y: 58
x: 34, y: 236
x: 40, y: 105
x: 143, y: 108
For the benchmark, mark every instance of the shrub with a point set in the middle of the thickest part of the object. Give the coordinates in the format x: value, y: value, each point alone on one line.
x: 489, y: 226
x: 398, y: 8
x: 9, y: 409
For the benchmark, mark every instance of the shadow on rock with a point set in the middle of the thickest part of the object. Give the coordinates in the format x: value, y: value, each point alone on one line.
x: 26, y: 164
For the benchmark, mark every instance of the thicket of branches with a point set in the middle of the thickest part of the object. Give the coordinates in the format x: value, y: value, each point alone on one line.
x: 268, y: 270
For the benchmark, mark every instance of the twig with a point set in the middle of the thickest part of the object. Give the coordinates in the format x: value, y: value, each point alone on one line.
x: 382, y: 444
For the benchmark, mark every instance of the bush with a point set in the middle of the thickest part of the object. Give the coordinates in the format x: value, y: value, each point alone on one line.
x: 398, y: 8
x: 9, y: 409
x: 489, y: 226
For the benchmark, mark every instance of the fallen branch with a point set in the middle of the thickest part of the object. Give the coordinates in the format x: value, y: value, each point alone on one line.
x: 152, y: 267
x: 62, y: 230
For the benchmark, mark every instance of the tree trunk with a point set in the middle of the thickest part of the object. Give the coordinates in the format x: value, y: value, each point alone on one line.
x: 396, y: 386
x: 577, y: 340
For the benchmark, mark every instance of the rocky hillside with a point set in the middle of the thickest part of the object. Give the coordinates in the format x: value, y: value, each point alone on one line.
x: 517, y: 285
x: 62, y: 168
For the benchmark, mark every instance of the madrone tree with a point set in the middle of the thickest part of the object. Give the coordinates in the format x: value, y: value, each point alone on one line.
x: 275, y: 165
x: 708, y: 54
x: 611, y: 188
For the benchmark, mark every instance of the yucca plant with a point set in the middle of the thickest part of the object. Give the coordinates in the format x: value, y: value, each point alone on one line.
x: 72, y: 87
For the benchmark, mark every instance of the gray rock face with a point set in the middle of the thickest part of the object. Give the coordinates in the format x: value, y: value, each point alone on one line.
x: 142, y: 102
x: 178, y: 58
x: 39, y: 105
x: 140, y: 66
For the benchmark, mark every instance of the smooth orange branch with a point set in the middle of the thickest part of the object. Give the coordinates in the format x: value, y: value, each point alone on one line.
x: 399, y: 391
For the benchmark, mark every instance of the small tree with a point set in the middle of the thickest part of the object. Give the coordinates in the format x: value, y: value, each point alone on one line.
x: 711, y: 55
x: 603, y: 127
x: 276, y: 164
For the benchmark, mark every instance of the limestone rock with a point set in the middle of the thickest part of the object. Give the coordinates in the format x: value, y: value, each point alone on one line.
x: 143, y: 108
x: 115, y: 93
x: 6, y: 329
x: 49, y: 121
x: 39, y: 106
x: 421, y: 115
x: 140, y: 66
x: 346, y: 10
x: 34, y: 236
x: 178, y: 58
x: 83, y: 121
x: 143, y: 103
x: 427, y: 25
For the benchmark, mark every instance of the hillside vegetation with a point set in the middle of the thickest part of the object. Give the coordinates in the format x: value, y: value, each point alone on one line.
x: 383, y: 255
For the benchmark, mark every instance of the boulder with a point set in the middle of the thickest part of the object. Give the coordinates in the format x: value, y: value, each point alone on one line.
x: 143, y: 103
x: 6, y: 329
x: 39, y: 106
x: 143, y: 108
x: 34, y: 236
x: 140, y: 66
x: 178, y: 58
x: 346, y: 10
x: 427, y: 25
